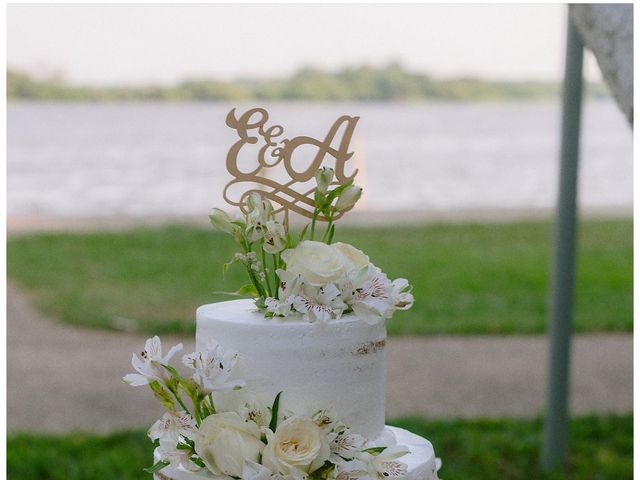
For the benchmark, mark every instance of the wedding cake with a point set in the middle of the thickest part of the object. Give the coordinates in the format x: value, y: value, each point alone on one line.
x: 290, y: 383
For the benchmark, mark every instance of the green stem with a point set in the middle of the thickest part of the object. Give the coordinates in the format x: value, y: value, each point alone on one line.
x: 179, y: 400
x: 213, y: 407
x: 197, y: 415
x: 313, y: 223
x: 252, y: 276
x: 326, y: 232
x: 276, y: 281
x: 256, y: 282
x: 266, y: 275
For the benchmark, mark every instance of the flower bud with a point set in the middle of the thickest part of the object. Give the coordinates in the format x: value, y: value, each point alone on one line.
x: 324, y: 177
x: 221, y: 221
x: 348, y: 198
x: 256, y: 203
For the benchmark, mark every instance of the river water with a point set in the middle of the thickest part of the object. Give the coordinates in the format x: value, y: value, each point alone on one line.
x: 166, y: 159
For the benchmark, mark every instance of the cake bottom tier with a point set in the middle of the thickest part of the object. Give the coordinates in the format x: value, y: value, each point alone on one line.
x: 421, y: 461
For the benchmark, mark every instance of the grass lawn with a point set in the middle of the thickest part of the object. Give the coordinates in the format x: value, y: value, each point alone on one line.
x: 468, y: 279
x: 602, y: 449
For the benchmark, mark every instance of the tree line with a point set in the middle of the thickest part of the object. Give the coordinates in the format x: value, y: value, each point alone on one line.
x: 363, y: 83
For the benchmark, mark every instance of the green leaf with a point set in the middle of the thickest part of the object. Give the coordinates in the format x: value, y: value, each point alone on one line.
x: 156, y: 466
x: 303, y: 233
x: 323, y: 472
x: 331, y: 233
x: 161, y: 394
x: 195, y: 459
x: 273, y: 424
x: 375, y: 450
x: 189, y: 385
x: 248, y: 290
x: 337, y: 191
x: 171, y: 370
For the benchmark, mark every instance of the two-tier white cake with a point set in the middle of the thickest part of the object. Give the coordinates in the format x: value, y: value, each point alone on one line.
x: 294, y: 389
x: 340, y: 364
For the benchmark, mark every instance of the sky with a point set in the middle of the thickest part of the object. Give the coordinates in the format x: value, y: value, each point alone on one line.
x: 133, y: 44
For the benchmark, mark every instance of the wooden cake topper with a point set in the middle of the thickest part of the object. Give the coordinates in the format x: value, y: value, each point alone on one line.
x: 291, y: 194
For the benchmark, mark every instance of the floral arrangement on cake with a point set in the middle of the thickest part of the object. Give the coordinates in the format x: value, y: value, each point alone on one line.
x: 258, y: 442
x: 308, y: 274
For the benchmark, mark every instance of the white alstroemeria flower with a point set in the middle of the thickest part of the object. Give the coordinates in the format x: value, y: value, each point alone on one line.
x: 368, y: 292
x: 275, y: 237
x: 279, y: 308
x: 171, y: 426
x: 260, y: 212
x: 290, y: 285
x: 326, y: 419
x: 384, y: 464
x: 256, y: 412
x: 351, y: 285
x: 350, y: 470
x: 213, y: 367
x: 319, y: 303
x: 344, y: 445
x: 150, y: 367
x: 401, y: 294
x: 177, y: 457
x: 372, y: 297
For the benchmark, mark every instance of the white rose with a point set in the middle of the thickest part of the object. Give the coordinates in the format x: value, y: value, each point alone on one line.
x: 225, y: 440
x: 319, y: 264
x: 357, y: 258
x: 296, y: 448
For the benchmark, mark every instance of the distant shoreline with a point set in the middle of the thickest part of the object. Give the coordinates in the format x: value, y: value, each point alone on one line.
x: 391, y: 83
x: 17, y: 224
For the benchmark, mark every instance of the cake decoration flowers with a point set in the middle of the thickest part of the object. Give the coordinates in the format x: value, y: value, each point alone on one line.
x: 254, y: 442
x: 305, y: 273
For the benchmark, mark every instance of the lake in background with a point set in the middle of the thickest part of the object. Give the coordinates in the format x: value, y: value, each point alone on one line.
x: 168, y: 159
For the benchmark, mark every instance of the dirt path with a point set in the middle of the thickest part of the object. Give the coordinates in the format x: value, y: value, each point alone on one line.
x: 62, y: 378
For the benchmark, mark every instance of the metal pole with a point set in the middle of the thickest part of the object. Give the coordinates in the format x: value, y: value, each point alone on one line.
x: 554, y: 450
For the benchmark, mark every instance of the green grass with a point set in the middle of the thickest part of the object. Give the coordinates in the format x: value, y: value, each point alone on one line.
x: 602, y: 448
x: 468, y: 279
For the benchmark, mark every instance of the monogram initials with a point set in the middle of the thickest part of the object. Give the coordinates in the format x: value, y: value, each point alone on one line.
x: 252, y: 129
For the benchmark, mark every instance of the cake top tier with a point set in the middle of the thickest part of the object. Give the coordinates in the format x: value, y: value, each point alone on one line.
x: 245, y: 312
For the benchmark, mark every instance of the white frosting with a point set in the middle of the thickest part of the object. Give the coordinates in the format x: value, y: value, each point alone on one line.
x: 421, y: 461
x: 340, y: 364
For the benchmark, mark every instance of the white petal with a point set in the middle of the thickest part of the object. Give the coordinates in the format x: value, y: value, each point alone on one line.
x: 153, y: 347
x: 156, y: 430
x: 137, y: 363
x: 135, y: 379
x: 255, y: 471
x: 366, y: 314
x: 175, y: 349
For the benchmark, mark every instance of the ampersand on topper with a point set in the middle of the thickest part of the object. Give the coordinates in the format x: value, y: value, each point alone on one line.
x: 252, y: 129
